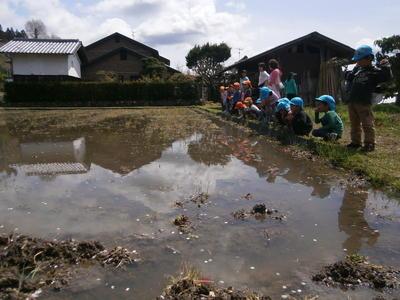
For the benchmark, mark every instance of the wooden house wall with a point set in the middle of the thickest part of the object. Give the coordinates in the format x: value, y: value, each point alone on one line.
x: 304, y: 59
x: 128, y: 69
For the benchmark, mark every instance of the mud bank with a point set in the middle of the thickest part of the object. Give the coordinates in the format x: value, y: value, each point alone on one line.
x: 188, y: 288
x: 356, y: 271
x: 28, y: 265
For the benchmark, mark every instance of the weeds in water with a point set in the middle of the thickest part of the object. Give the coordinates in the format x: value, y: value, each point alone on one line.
x: 190, y: 284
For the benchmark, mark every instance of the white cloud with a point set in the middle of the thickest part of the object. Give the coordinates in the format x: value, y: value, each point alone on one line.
x: 368, y: 41
x: 8, y: 16
x: 173, y: 26
x: 358, y: 30
x: 236, y: 4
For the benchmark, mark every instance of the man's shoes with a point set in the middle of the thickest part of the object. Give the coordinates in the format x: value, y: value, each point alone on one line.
x: 353, y: 146
x: 368, y: 148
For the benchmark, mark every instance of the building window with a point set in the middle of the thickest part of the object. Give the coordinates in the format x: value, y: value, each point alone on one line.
x: 123, y: 55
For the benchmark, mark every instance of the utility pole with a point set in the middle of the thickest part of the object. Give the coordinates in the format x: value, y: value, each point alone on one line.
x: 239, y: 51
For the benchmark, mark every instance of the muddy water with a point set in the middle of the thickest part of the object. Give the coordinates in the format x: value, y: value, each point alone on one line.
x: 115, y: 178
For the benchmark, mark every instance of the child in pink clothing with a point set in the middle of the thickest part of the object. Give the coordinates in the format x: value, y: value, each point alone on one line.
x: 275, y: 82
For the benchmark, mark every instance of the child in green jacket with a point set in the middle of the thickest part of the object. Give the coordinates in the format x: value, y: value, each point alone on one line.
x: 332, y: 125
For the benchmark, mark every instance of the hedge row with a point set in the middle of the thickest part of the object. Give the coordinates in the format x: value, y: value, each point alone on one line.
x: 101, y: 94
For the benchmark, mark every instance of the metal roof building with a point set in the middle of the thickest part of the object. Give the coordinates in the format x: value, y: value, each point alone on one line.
x: 41, y: 46
x: 45, y: 59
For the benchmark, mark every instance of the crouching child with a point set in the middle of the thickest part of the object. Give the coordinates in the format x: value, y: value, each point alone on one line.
x: 298, y: 119
x: 282, y: 111
x: 252, y: 109
x: 267, y: 102
x: 236, y: 97
x: 332, y: 125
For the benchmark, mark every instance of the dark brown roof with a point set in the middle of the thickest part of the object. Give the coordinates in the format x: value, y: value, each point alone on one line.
x: 114, y: 52
x: 313, y: 36
x: 112, y: 36
x: 128, y: 50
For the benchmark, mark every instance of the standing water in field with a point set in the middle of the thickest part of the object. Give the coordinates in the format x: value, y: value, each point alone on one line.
x: 182, y: 189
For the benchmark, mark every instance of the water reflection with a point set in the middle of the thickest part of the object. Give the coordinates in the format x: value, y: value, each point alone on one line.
x: 219, y: 148
x: 210, y: 150
x: 52, y: 158
x: 352, y: 221
x: 132, y: 179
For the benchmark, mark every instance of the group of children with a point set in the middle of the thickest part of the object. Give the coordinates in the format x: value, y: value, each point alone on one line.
x: 271, y: 106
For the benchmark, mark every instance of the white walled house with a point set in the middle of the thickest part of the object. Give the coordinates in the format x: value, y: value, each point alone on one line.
x: 46, y: 59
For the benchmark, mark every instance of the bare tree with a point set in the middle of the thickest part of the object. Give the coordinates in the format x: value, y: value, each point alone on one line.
x: 54, y: 36
x: 35, y: 28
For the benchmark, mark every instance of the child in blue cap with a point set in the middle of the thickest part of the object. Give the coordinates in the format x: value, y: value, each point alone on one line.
x: 332, y: 125
x: 267, y: 97
x: 362, y: 83
x: 267, y: 102
x: 298, y: 119
x: 282, y: 111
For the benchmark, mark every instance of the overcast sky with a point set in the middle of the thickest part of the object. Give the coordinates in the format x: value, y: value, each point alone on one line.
x: 174, y: 26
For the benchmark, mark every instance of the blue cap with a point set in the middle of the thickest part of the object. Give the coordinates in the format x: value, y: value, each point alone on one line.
x: 297, y: 101
x: 283, y: 104
x: 362, y: 52
x: 329, y: 100
x: 265, y: 92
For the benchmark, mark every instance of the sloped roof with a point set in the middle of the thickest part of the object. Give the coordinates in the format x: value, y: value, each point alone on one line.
x: 111, y: 36
x: 52, y: 168
x: 114, y: 52
x: 41, y: 46
x: 313, y: 35
x: 128, y: 50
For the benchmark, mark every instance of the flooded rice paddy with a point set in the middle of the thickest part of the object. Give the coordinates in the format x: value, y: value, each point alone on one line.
x: 122, y: 177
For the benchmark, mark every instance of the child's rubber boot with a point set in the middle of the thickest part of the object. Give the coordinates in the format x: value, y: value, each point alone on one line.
x: 353, y: 146
x: 331, y: 137
x: 368, y: 148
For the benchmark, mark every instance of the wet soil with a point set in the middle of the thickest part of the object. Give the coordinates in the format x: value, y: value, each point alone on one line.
x: 29, y: 264
x: 355, y: 271
x: 183, y: 223
x: 259, y: 212
x: 187, y: 288
x: 144, y: 168
x: 198, y: 199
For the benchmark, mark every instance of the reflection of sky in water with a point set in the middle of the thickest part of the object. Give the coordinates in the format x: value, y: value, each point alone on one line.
x: 103, y: 204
